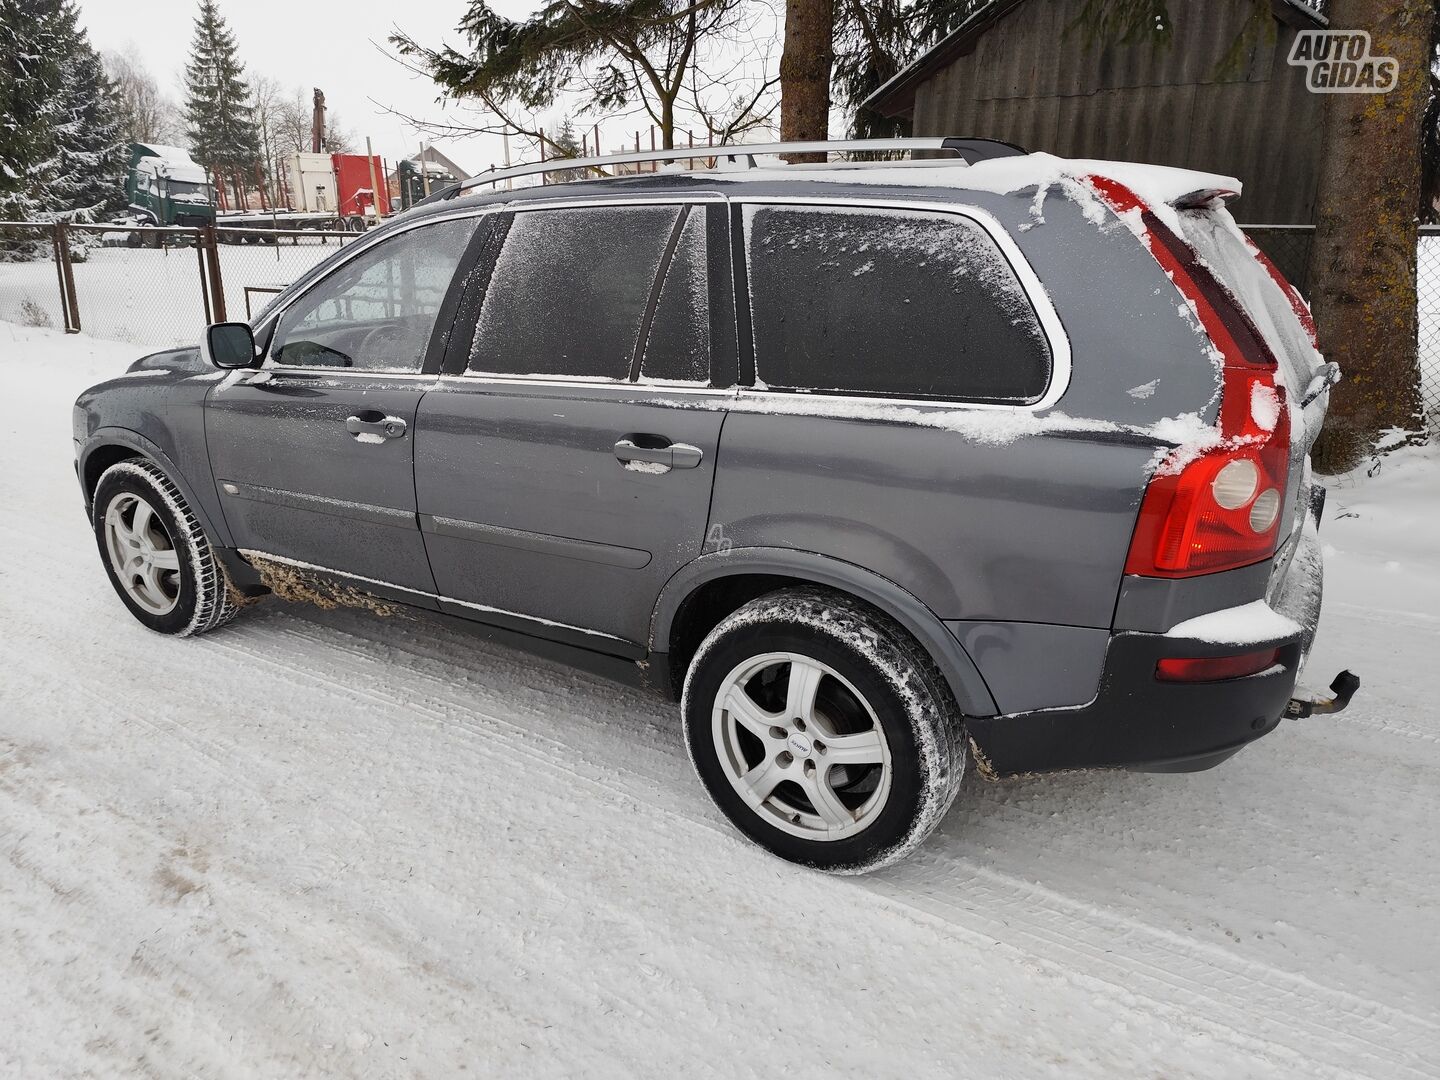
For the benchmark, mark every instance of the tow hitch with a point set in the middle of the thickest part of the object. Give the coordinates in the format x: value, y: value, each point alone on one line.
x: 1343, y: 689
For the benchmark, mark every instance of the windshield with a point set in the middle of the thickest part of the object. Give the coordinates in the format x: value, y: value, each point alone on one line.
x: 180, y: 188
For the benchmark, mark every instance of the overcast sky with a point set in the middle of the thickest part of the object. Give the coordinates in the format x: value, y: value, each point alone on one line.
x: 308, y: 44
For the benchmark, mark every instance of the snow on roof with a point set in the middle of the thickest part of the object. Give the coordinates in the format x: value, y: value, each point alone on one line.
x: 1157, y: 184
x: 168, y: 153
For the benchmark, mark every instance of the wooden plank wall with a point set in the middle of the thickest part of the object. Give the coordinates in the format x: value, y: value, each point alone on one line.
x: 1031, y: 82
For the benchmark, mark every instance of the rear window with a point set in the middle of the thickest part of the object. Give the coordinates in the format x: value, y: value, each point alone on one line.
x: 889, y: 302
x: 1223, y: 250
x: 569, y: 291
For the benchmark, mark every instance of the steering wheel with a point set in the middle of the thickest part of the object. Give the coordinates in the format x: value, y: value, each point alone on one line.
x: 391, y: 345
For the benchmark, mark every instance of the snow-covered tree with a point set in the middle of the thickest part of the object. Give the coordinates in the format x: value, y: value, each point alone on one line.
x: 61, y: 155
x: 219, y: 109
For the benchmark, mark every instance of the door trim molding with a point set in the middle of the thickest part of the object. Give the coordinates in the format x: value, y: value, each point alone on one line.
x: 317, y: 504
x: 545, y: 543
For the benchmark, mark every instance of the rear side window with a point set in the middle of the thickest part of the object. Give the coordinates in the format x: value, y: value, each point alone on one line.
x: 889, y: 302
x: 568, y: 295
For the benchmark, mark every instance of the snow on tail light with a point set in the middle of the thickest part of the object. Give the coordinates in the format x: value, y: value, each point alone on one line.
x: 1215, y: 668
x: 1218, y: 508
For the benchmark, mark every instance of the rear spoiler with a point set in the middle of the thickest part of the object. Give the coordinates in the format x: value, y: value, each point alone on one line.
x: 1185, y: 189
x: 1203, y: 197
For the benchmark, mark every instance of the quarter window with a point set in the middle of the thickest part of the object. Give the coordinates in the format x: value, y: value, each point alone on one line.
x: 889, y: 302
x: 377, y: 311
x: 568, y: 295
x: 677, y: 348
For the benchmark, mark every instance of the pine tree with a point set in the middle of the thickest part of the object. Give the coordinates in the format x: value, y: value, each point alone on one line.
x: 60, y: 152
x: 218, y: 108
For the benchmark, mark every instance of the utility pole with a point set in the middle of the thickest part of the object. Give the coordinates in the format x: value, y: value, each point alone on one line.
x: 374, y: 184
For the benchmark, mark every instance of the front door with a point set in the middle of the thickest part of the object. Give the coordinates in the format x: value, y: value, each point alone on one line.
x: 565, y: 472
x: 313, y: 454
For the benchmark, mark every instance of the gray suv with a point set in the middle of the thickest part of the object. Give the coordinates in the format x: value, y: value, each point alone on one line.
x: 877, y: 468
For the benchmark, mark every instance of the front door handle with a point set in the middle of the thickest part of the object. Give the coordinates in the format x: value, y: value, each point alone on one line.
x: 671, y: 455
x: 373, y: 426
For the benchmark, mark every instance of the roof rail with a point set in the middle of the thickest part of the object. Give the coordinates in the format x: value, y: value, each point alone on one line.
x: 737, y: 156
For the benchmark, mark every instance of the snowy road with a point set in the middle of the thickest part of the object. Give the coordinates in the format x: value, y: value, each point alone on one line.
x: 330, y: 844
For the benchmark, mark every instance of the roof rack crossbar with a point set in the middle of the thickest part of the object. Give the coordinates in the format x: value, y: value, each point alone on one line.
x: 738, y: 155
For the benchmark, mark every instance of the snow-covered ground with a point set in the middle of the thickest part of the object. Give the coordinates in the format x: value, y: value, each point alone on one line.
x: 331, y: 844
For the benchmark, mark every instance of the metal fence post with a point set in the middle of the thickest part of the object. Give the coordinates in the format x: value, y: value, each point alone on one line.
x: 217, y: 288
x: 67, y: 278
x: 204, y: 274
x: 60, y: 275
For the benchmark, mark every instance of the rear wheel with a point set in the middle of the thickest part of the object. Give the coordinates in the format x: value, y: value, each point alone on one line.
x: 155, y: 552
x: 823, y: 731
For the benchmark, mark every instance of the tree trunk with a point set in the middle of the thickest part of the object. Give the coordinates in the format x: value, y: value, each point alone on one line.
x: 805, y: 68
x: 1362, y: 261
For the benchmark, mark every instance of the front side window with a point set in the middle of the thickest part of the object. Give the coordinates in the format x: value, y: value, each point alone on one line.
x: 377, y: 311
x: 889, y: 302
x: 569, y: 292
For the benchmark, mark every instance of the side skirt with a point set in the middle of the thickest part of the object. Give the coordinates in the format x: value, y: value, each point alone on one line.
x: 650, y: 672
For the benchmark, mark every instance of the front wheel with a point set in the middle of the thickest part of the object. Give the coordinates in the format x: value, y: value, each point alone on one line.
x: 823, y: 731
x: 155, y: 552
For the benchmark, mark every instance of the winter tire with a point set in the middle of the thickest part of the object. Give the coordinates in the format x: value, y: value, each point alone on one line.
x: 155, y: 552
x: 823, y: 731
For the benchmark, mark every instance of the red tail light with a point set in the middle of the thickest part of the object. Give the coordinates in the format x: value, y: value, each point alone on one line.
x: 1215, y: 668
x: 1218, y: 509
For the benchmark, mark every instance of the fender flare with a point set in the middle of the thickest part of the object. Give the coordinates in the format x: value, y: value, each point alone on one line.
x: 960, y: 672
x: 118, y: 436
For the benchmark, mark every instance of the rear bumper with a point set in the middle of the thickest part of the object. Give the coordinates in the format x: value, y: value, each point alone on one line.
x: 1138, y: 721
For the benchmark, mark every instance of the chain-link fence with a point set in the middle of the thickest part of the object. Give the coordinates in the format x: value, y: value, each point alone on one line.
x: 1289, y: 248
x: 255, y: 264
x: 32, y: 287
x: 153, y: 287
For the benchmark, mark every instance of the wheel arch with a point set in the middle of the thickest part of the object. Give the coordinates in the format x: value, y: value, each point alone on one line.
x: 707, y: 589
x: 110, y: 445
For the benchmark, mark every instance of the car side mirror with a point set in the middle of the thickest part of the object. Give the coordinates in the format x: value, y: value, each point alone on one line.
x: 229, y: 345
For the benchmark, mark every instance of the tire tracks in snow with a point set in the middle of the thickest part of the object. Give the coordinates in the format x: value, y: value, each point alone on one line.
x: 1180, y: 976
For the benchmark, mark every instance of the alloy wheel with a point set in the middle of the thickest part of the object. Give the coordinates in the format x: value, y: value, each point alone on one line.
x: 142, y: 553
x: 801, y: 746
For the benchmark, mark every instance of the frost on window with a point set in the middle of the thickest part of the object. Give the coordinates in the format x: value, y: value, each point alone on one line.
x: 377, y: 311
x: 678, y: 348
x: 895, y: 302
x: 568, y: 294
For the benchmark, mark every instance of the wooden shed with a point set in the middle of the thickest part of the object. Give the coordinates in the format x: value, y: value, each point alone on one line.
x: 1013, y: 71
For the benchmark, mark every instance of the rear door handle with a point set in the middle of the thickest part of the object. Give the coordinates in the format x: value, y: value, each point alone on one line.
x: 671, y: 455
x: 375, y: 425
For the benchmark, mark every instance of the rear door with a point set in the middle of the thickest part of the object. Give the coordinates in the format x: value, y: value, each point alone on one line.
x: 313, y: 454
x: 564, y: 469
